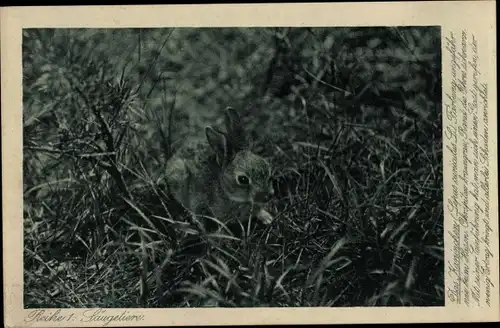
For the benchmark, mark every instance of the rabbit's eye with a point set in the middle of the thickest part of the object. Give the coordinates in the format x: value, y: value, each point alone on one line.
x: 243, y: 180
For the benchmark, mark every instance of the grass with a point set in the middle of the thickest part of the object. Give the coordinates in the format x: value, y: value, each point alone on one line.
x: 350, y: 119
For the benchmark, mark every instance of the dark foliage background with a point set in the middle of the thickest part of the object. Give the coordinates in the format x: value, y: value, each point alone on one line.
x: 349, y: 117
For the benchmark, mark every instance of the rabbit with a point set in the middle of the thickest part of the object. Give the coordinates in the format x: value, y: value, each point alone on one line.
x: 219, y: 176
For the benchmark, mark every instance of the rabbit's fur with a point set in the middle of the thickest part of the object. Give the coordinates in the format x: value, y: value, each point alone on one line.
x: 219, y: 176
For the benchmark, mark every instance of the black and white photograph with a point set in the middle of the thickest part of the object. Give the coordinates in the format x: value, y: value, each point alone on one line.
x: 188, y: 167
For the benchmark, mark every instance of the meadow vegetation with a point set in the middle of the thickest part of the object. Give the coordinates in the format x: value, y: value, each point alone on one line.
x: 350, y: 119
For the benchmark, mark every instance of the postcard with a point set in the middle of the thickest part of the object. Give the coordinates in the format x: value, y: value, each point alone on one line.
x: 249, y: 164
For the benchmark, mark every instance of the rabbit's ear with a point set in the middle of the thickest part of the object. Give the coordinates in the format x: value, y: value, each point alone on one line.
x: 236, y: 133
x: 217, y: 141
x: 232, y: 119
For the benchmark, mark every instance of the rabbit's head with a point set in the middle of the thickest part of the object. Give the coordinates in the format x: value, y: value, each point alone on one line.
x: 245, y: 176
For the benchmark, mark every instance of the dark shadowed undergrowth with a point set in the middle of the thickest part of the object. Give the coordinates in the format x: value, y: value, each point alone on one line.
x: 350, y: 118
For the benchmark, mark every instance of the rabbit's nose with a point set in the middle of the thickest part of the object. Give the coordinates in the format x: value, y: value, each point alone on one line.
x: 263, y: 196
